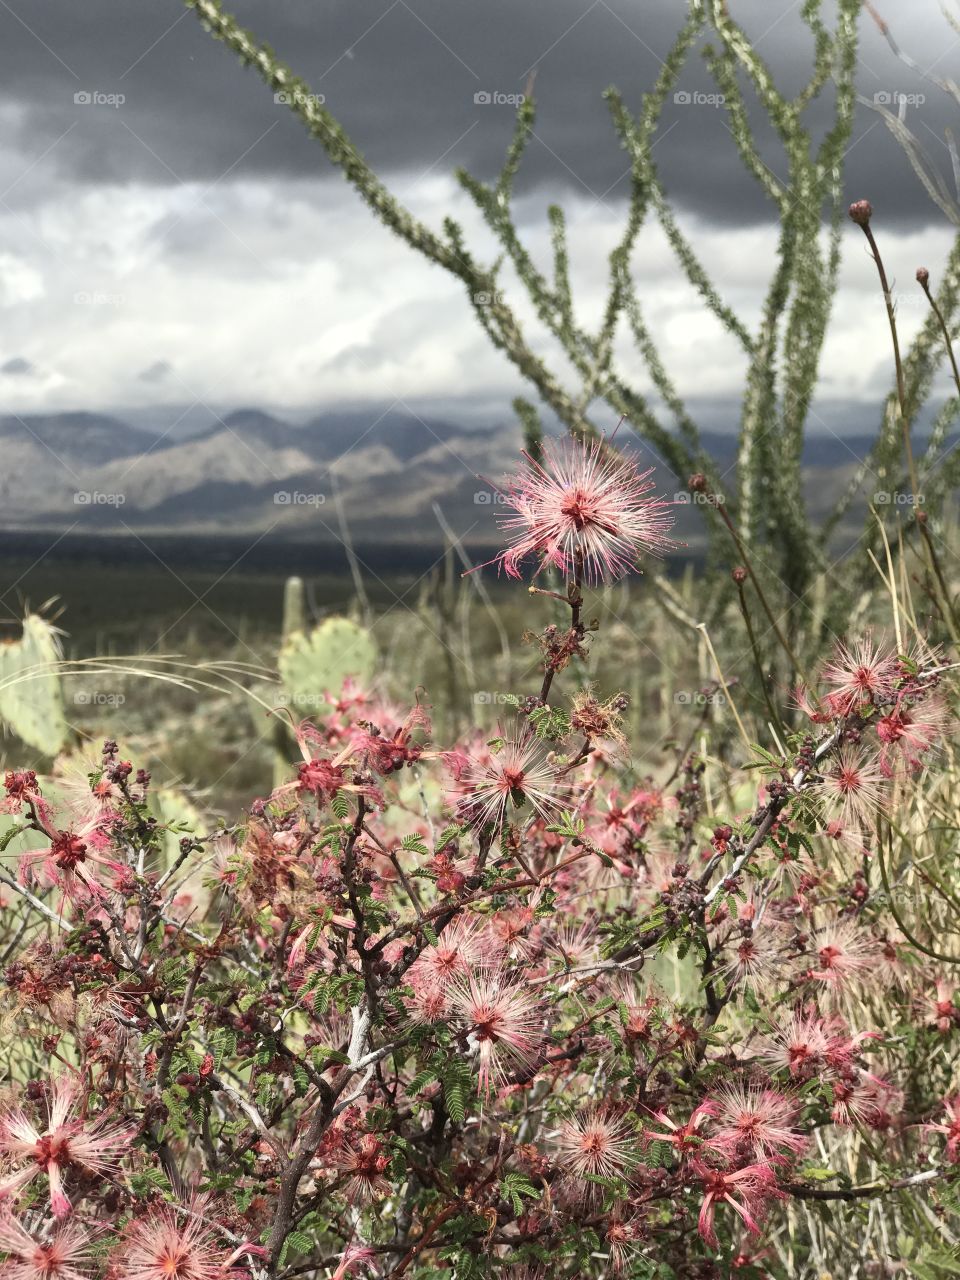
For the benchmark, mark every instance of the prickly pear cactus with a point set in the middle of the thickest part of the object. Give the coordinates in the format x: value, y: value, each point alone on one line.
x: 315, y: 663
x: 31, y: 697
x: 172, y: 808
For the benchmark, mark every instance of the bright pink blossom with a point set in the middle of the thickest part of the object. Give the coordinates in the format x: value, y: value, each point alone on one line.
x: 503, y: 1022
x: 587, y: 503
x: 66, y: 1142
x: 684, y: 1138
x: 863, y: 673
x: 949, y: 1127
x: 63, y: 1254
x: 911, y: 729
x: 517, y: 773
x: 748, y: 1191
x: 596, y: 1143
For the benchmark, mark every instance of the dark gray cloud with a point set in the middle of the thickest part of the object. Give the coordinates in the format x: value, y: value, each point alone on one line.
x: 16, y: 367
x: 403, y: 75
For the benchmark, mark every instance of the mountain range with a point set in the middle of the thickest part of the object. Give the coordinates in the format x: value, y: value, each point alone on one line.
x: 249, y: 471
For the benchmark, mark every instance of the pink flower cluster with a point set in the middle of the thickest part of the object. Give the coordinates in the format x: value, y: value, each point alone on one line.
x: 508, y: 1005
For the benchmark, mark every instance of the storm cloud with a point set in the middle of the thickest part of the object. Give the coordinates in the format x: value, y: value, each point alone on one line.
x: 169, y: 235
x: 115, y: 91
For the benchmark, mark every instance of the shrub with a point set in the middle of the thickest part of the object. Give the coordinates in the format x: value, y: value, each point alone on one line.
x: 505, y: 1006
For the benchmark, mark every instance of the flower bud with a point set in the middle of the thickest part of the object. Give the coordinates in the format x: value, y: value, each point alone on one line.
x: 923, y: 276
x: 861, y: 211
x: 739, y: 574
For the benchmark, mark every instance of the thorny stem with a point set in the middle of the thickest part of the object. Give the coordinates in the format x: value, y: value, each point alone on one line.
x: 949, y: 615
x: 748, y: 565
x: 757, y: 661
x: 924, y: 281
x: 771, y: 812
x: 803, y: 1192
x: 574, y: 598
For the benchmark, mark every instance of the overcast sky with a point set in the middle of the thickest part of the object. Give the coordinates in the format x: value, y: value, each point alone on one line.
x: 168, y: 236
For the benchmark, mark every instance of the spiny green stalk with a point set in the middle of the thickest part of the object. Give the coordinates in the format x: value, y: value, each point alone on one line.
x: 861, y: 213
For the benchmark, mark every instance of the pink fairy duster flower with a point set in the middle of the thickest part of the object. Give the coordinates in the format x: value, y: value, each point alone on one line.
x: 80, y: 800
x: 843, y: 1047
x: 847, y: 840
x: 623, y: 1237
x: 67, y: 1141
x: 352, y: 1259
x: 578, y: 945
x: 503, y: 1023
x: 799, y: 1046
x: 940, y: 1009
x: 684, y: 1138
x: 63, y: 1255
x: 854, y: 788
x: 625, y: 822
x: 458, y: 950
x: 747, y: 1191
x: 323, y: 776
x: 21, y: 788
x: 753, y: 1121
x: 387, y: 752
x: 583, y: 503
x: 818, y: 711
x: 519, y: 772
x: 165, y: 1245
x: 845, y: 955
x: 949, y: 1127
x: 870, y: 1101
x: 595, y: 1143
x: 909, y: 730
x: 364, y: 1162
x: 860, y: 674
x: 75, y: 860
x: 427, y: 1005
x: 509, y: 934
x: 753, y: 961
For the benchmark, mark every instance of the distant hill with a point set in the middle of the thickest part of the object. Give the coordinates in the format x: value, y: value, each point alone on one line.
x: 252, y: 472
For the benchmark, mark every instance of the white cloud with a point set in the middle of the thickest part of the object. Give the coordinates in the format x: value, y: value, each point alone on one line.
x: 292, y: 295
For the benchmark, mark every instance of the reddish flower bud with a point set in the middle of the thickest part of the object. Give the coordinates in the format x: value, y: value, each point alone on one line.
x: 697, y: 483
x: 923, y: 276
x: 861, y: 211
x: 739, y: 574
